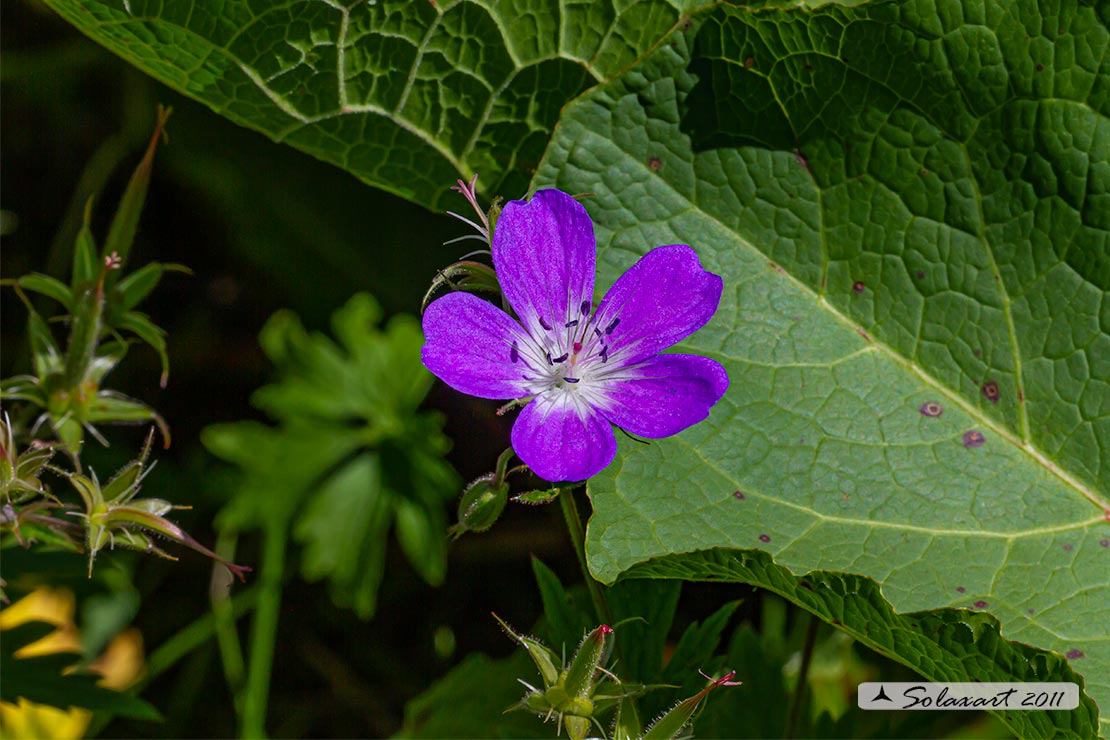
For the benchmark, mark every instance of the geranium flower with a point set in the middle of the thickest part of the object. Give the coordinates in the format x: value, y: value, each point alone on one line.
x: 584, y: 367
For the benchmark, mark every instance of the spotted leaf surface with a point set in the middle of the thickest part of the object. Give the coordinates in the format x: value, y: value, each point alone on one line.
x: 407, y: 96
x: 909, y: 203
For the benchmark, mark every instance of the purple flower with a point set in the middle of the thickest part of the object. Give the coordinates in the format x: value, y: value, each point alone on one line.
x: 585, y: 367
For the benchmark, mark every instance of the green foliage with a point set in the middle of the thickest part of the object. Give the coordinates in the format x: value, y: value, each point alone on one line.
x: 406, y: 96
x: 41, y: 679
x: 916, y: 391
x: 470, y: 702
x: 67, y: 386
x: 21, y: 472
x: 908, y: 203
x: 941, y: 644
x: 351, y: 456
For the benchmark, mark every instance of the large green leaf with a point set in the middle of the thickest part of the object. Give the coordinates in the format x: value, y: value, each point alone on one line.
x: 909, y: 204
x: 407, y: 96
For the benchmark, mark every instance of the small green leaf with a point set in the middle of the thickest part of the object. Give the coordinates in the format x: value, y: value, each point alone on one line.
x: 45, y: 354
x: 546, y: 661
x: 470, y: 701
x: 86, y: 264
x: 90, y: 492
x: 420, y: 532
x: 116, y: 408
x: 626, y: 726
x: 121, y: 234
x: 344, y: 530
x: 697, y: 645
x: 48, y: 286
x: 22, y: 388
x: 537, y: 498
x: 133, y: 289
x: 565, y: 623
x: 644, y: 611
x: 105, y: 615
x: 141, y: 326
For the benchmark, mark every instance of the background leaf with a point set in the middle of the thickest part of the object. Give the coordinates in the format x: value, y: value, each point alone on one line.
x: 471, y: 700
x: 405, y: 96
x: 40, y: 679
x: 353, y: 454
x: 942, y: 644
x: 918, y: 391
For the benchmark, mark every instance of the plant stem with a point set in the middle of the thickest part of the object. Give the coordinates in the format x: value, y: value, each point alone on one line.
x: 183, y: 642
x: 264, y: 631
x: 578, y: 540
x: 227, y: 637
x: 797, y: 704
x: 189, y: 638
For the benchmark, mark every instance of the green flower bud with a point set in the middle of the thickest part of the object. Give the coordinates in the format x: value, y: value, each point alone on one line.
x: 581, y: 676
x: 481, y: 505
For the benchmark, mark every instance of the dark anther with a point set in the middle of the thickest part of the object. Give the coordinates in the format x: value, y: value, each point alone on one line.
x: 604, y: 353
x: 612, y: 325
x: 560, y: 358
x: 597, y: 331
x: 586, y: 308
x: 549, y: 360
x: 571, y: 380
x: 573, y: 323
x: 514, y: 354
x: 544, y: 324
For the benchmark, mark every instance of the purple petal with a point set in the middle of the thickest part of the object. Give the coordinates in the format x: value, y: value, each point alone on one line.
x: 543, y: 251
x: 468, y: 344
x: 563, y: 441
x: 662, y: 299
x: 671, y: 393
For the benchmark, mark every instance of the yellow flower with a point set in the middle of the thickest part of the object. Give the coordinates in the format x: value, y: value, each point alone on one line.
x: 121, y: 665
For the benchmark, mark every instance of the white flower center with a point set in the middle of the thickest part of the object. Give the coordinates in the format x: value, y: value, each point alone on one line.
x: 572, y: 359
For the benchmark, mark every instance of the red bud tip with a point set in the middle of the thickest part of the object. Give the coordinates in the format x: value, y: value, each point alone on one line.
x: 606, y: 629
x: 726, y: 680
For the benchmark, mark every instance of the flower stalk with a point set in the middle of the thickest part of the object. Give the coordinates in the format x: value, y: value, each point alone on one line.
x: 578, y: 542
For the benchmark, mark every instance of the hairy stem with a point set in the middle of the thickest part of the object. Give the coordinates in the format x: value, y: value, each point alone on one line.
x: 578, y: 540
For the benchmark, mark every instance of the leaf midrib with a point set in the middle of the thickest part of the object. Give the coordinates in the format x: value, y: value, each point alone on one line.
x: 1003, y: 432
